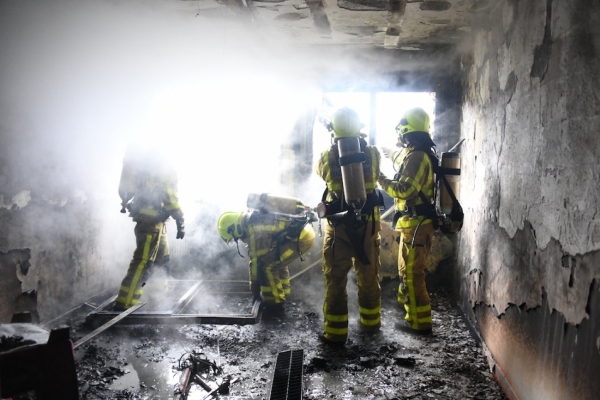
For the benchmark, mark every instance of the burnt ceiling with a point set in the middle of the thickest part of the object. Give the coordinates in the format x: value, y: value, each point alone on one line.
x: 396, y: 24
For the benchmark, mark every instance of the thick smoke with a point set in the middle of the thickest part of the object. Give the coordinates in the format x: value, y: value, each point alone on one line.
x: 83, y: 80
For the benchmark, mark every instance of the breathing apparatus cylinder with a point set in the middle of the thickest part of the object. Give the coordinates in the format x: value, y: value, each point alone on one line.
x: 272, y: 203
x: 353, y: 177
x: 449, y: 160
x: 345, y: 127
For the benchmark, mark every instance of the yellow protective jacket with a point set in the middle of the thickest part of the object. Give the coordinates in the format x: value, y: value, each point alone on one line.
x: 415, y: 173
x: 328, y: 168
x: 155, y: 198
x: 263, y: 232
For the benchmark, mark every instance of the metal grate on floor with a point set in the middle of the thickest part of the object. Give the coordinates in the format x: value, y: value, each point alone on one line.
x: 287, y: 376
x: 181, y: 307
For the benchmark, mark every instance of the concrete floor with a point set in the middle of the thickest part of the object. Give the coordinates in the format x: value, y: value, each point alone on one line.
x: 144, y: 361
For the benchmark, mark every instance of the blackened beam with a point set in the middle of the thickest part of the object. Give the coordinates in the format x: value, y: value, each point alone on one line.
x: 396, y: 9
x: 107, y: 325
x: 160, y: 317
x: 184, y: 384
x: 317, y: 9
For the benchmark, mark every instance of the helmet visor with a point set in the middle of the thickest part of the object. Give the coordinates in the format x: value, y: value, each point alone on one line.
x: 402, y: 126
x: 230, y: 238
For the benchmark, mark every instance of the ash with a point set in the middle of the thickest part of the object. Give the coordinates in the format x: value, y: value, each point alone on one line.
x: 145, y: 362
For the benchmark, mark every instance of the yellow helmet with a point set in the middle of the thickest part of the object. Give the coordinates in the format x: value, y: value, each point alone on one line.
x: 413, y: 120
x: 346, y: 123
x: 230, y: 226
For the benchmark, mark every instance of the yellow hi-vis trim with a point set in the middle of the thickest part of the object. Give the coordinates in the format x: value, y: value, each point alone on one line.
x: 370, y: 180
x: 173, y: 200
x: 336, y: 318
x: 149, y: 211
x: 139, y: 270
x: 400, y: 293
x: 412, y: 313
x: 422, y: 309
x: 406, y: 222
x: 408, y: 186
x: 274, y: 288
x: 278, y: 226
x: 370, y: 322
x: 336, y: 331
x: 369, y: 311
x: 287, y: 254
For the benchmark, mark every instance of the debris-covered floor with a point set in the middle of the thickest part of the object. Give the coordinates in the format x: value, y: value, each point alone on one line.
x: 147, y: 361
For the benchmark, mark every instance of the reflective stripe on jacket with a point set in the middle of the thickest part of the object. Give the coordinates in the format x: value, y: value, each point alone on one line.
x: 155, y: 197
x: 415, y: 173
x: 328, y: 168
x: 262, y: 235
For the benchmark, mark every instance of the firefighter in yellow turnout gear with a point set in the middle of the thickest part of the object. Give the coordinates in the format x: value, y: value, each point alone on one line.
x: 273, y: 241
x: 351, y: 238
x: 148, y: 188
x: 412, y: 189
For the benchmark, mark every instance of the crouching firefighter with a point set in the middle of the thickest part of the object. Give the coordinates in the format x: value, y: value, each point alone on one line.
x: 148, y: 189
x: 273, y: 240
x: 351, y: 207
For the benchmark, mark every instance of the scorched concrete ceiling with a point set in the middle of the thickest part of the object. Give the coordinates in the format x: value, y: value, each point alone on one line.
x: 402, y: 24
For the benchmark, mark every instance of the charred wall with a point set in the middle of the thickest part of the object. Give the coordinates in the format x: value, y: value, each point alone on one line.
x: 528, y: 256
x: 52, y: 228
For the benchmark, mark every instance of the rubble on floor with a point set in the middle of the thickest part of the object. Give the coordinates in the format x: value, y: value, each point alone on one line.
x: 144, y: 362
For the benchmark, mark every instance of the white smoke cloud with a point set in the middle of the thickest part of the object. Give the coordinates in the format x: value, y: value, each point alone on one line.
x: 92, y: 77
x: 82, y: 80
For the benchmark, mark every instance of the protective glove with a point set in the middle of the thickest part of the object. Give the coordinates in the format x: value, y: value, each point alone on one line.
x: 180, y: 228
x: 381, y: 179
x: 255, y: 288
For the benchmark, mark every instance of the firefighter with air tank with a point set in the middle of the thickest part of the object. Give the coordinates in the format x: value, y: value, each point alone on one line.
x: 413, y: 191
x: 351, y: 208
x: 276, y: 231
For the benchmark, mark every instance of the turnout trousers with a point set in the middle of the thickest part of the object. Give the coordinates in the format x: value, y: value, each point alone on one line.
x: 152, y: 248
x: 339, y: 257
x: 273, y: 271
x: 412, y: 292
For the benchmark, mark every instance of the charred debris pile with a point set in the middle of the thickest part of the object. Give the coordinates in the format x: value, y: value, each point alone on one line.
x: 239, y: 361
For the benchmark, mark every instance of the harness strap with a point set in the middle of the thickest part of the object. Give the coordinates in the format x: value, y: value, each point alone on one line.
x: 352, y: 158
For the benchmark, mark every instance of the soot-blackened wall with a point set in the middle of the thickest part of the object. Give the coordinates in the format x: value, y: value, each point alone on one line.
x: 528, y: 256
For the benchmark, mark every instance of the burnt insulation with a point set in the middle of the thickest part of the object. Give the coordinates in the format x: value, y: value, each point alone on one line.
x: 363, y: 5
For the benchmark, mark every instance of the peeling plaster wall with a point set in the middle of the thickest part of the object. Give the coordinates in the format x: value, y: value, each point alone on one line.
x: 528, y: 256
x: 14, y: 269
x: 59, y: 212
